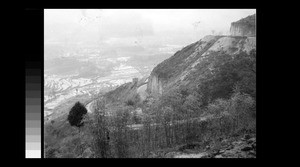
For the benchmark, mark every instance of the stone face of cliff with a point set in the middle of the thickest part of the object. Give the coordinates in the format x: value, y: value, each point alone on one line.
x: 244, y: 27
x: 155, y: 84
x: 189, y: 65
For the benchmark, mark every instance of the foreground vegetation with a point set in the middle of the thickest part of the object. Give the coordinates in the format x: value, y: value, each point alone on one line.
x: 221, y: 106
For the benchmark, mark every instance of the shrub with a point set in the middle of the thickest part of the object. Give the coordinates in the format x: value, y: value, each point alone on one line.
x: 234, y: 115
x: 243, y: 110
x: 218, y: 107
x: 129, y: 102
x: 192, y: 105
x: 137, y: 99
x: 136, y: 119
x: 134, y: 100
x: 76, y: 114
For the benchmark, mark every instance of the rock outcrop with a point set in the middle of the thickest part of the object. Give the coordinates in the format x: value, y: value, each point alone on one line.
x: 244, y: 147
x: 244, y: 27
x: 155, y: 85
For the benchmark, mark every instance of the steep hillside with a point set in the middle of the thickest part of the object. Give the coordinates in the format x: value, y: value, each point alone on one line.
x: 196, y: 62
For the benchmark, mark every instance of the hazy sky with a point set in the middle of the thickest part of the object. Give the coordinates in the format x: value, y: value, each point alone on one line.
x: 147, y: 26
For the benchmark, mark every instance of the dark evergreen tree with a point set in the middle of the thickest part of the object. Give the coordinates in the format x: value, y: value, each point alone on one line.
x: 76, y: 114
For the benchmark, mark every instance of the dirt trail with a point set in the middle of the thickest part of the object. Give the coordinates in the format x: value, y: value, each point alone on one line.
x: 88, y: 107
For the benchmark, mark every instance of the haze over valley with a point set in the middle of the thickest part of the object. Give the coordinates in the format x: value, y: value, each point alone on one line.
x: 92, y: 71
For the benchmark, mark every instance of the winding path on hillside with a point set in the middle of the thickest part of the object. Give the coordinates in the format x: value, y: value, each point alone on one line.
x: 89, y: 107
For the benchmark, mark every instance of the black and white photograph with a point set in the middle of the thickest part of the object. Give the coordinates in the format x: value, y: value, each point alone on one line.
x: 149, y: 83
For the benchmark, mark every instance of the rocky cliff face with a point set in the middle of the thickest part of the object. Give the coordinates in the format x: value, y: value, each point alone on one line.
x: 244, y: 27
x: 155, y: 84
x: 240, y: 147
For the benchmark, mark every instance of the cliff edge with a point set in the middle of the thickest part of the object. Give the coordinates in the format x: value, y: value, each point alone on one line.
x: 244, y: 27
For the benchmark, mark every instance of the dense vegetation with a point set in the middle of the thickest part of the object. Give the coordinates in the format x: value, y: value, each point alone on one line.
x: 229, y: 72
